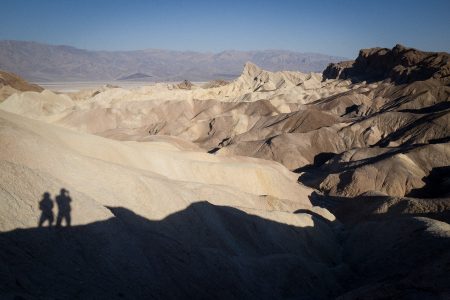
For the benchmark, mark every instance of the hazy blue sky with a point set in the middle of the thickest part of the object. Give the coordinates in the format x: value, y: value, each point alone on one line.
x: 330, y: 27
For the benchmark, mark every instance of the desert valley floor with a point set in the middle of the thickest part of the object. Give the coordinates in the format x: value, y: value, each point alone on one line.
x: 273, y: 185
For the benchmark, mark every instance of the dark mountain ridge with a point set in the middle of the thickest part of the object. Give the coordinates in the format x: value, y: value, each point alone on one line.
x: 399, y: 64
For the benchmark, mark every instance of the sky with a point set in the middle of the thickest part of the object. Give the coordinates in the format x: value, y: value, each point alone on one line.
x: 338, y: 28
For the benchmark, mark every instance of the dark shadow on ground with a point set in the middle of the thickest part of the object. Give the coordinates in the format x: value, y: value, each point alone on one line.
x: 437, y: 184
x: 46, y: 208
x: 440, y: 106
x: 46, y: 205
x: 393, y: 253
x: 319, y: 160
x: 354, y: 210
x: 64, y: 209
x: 207, y: 251
x: 202, y: 252
x: 315, y: 216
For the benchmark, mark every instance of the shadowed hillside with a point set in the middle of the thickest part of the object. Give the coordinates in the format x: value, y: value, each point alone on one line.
x: 209, y: 251
x: 204, y: 251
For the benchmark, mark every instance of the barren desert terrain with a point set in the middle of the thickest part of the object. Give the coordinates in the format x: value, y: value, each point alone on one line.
x: 270, y: 185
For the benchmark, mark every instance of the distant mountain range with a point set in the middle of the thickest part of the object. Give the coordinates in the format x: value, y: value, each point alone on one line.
x: 41, y: 62
x: 135, y: 76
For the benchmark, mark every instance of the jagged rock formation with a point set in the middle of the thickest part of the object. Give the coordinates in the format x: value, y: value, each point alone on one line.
x: 288, y: 117
x: 400, y: 65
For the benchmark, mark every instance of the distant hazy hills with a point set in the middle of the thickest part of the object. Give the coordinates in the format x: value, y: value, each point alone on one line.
x: 135, y: 76
x: 41, y: 62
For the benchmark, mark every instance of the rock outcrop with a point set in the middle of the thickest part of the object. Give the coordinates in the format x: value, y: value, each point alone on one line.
x: 185, y: 85
x: 399, y: 64
x: 11, y: 83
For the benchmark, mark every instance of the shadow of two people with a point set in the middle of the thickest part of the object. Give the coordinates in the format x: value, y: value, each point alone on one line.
x: 46, y: 206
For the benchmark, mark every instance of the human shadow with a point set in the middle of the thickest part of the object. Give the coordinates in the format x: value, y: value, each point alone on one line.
x: 63, y: 201
x: 46, y: 206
